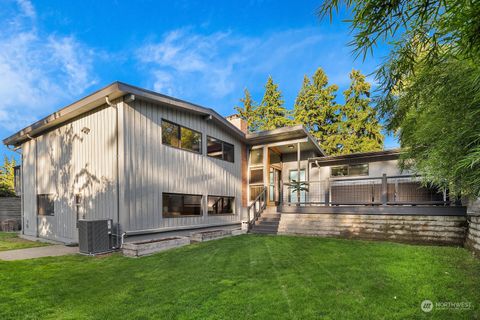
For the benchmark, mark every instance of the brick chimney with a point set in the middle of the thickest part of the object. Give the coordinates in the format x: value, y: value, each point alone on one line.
x: 238, y: 122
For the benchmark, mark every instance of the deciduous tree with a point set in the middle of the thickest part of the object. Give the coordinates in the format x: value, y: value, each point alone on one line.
x: 429, y: 84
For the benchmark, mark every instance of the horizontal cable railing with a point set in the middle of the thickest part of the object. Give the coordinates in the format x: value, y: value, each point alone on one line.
x: 393, y: 190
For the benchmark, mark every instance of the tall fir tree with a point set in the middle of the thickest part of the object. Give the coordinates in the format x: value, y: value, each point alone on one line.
x: 248, y: 112
x: 360, y: 130
x: 271, y: 112
x: 316, y: 109
x: 7, y: 178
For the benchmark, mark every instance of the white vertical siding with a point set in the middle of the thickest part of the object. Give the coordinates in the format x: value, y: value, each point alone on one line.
x: 29, y: 213
x: 152, y: 168
x: 69, y: 162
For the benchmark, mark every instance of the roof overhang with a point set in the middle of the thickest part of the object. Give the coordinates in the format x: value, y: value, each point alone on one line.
x: 114, y: 91
x: 285, y: 136
x: 360, y: 157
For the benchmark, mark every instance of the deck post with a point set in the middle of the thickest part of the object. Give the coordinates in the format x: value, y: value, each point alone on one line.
x: 384, y: 196
x: 298, y: 172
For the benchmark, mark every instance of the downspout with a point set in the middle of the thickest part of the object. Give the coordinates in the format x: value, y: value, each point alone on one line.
x: 117, y: 238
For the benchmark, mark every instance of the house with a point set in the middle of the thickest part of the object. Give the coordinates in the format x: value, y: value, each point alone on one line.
x: 156, y: 165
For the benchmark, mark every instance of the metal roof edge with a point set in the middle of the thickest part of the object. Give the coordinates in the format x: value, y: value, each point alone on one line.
x: 95, y: 100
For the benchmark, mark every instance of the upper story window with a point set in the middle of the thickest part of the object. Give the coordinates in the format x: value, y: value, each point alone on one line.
x: 350, y: 170
x: 177, y: 136
x: 220, y: 149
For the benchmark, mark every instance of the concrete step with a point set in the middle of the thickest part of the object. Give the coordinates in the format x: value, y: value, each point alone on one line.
x: 267, y: 223
x: 270, y: 209
x: 267, y: 219
x: 270, y: 215
x: 263, y: 231
x: 265, y: 228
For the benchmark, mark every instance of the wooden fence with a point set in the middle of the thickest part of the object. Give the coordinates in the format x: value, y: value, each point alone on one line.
x: 10, y: 213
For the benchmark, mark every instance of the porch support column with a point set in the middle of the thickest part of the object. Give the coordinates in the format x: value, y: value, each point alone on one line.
x: 384, y: 194
x: 298, y: 172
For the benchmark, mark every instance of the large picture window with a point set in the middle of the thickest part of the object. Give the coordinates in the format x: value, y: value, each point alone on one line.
x: 220, y: 149
x: 350, y: 170
x: 178, y: 205
x: 45, y: 205
x: 220, y: 205
x: 177, y: 136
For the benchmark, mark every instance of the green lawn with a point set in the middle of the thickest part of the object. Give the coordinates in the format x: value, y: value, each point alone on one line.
x: 11, y: 241
x: 247, y: 277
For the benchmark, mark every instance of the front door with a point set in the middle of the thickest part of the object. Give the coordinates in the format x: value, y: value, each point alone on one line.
x: 275, y: 182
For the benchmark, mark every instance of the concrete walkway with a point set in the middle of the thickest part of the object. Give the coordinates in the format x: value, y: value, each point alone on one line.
x: 33, y: 253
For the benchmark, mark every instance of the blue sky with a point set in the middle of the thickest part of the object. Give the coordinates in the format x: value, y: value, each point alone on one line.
x: 54, y: 52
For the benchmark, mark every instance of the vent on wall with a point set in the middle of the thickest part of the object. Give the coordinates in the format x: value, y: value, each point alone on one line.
x: 94, y: 236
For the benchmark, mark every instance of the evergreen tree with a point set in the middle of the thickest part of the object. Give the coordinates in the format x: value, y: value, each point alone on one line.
x: 271, y: 112
x: 7, y: 178
x: 316, y: 109
x: 248, y: 112
x: 359, y: 128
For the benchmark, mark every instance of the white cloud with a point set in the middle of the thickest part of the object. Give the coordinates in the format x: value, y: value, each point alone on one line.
x: 182, y: 56
x: 37, y: 71
x: 27, y: 9
x: 213, y: 69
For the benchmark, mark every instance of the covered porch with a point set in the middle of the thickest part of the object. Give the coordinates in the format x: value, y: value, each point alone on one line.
x: 290, y: 173
x: 276, y: 158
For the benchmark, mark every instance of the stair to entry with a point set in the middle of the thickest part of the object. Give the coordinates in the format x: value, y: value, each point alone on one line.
x: 268, y: 222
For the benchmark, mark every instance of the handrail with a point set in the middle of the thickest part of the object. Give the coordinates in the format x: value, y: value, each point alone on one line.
x: 262, y: 204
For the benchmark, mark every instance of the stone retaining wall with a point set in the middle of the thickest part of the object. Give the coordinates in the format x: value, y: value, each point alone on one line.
x: 473, y: 235
x: 445, y: 230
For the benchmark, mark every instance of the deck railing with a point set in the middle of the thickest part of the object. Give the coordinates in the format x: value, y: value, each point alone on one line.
x: 384, y: 190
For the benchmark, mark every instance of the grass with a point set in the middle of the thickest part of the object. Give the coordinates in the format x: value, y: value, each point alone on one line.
x: 247, y: 277
x: 11, y: 241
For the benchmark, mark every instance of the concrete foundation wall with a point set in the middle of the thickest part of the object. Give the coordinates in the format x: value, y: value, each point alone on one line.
x: 473, y: 235
x: 445, y: 230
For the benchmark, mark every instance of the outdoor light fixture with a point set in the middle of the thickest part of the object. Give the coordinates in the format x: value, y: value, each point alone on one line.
x: 291, y: 146
x: 85, y: 130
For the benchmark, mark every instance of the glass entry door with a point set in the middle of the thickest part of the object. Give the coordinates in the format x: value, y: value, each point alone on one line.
x: 293, y: 194
x: 275, y: 182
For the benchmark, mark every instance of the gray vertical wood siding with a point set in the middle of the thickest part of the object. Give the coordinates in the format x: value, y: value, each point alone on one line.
x: 29, y: 219
x: 69, y: 161
x: 151, y: 168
